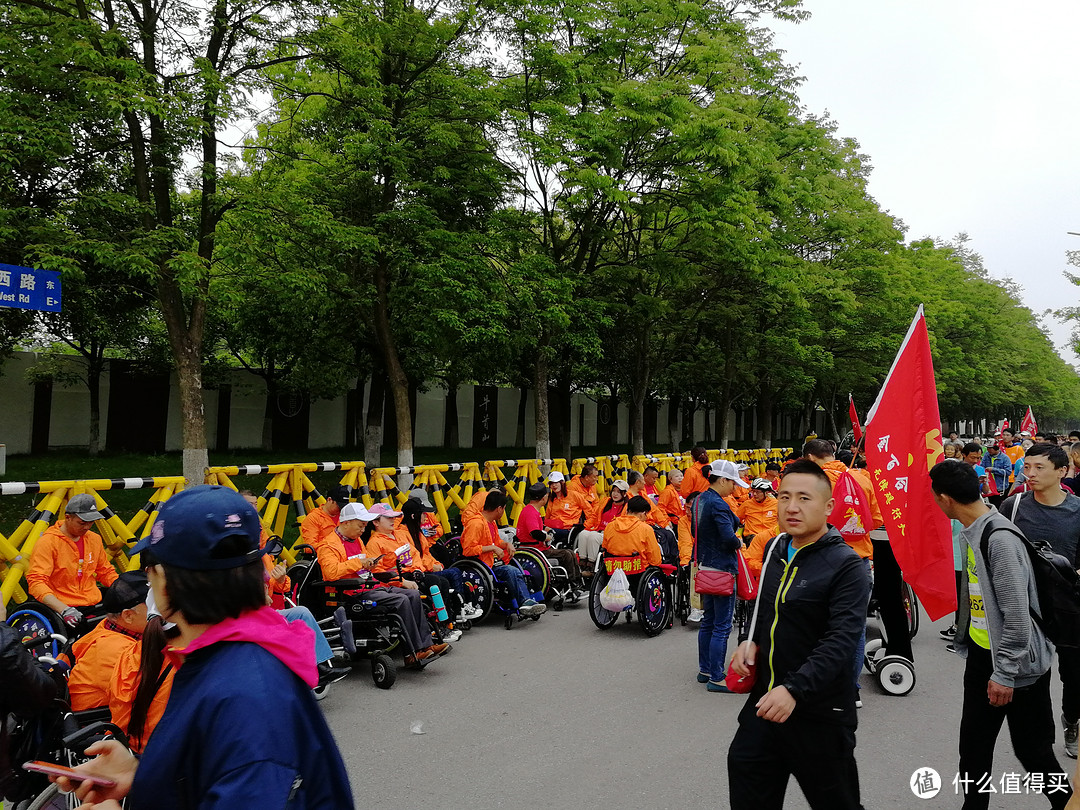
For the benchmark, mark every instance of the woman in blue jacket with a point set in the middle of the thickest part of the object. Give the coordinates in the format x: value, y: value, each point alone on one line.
x: 713, y: 525
x: 218, y: 745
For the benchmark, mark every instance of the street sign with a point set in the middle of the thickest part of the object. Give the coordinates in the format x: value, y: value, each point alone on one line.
x: 25, y: 288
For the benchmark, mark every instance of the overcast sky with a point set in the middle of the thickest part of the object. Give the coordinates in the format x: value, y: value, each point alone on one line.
x: 970, y: 113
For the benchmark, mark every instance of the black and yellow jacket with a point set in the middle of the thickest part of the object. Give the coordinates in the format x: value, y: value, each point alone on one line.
x: 810, y: 621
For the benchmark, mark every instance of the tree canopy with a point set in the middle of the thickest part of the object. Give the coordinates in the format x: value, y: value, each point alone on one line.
x: 626, y: 200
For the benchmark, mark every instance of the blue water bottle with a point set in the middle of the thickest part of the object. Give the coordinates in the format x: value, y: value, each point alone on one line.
x: 437, y: 602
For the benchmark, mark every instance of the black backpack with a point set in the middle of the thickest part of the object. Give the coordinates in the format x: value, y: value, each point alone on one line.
x: 1057, y: 584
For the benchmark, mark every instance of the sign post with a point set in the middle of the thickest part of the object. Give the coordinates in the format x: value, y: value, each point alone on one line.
x: 26, y: 288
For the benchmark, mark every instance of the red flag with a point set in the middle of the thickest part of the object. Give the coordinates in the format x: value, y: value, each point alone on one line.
x: 851, y: 511
x: 1028, y: 423
x: 903, y: 441
x: 856, y: 428
x: 991, y: 484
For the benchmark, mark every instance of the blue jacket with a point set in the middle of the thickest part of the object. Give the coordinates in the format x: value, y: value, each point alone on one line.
x: 713, y: 525
x: 241, y: 730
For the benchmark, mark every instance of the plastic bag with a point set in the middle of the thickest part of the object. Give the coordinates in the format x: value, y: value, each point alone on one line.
x: 616, y: 595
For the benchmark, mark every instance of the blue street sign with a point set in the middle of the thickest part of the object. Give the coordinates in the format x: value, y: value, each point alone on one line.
x: 24, y: 288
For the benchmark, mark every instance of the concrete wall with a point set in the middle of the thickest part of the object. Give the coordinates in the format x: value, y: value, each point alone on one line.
x: 70, y: 419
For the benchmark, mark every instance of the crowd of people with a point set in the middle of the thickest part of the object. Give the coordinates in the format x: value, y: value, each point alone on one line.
x: 167, y: 649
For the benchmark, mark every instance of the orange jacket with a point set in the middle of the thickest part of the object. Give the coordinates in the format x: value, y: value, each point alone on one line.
x: 758, y: 517
x: 122, y: 689
x: 656, y: 516
x: 430, y: 528
x: 96, y: 655
x: 863, y: 546
x: 755, y: 554
x: 626, y: 536
x: 315, y: 526
x: 672, y: 503
x: 385, y: 546
x: 474, y: 507
x: 693, y: 481
x: 588, y: 500
x: 479, y: 533
x: 55, y: 568
x: 686, y: 541
x: 334, y: 561
x: 564, y: 513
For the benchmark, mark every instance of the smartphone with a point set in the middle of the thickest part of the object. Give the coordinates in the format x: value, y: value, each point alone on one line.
x: 52, y: 769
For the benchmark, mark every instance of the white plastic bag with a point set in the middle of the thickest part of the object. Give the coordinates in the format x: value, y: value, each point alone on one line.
x: 616, y: 595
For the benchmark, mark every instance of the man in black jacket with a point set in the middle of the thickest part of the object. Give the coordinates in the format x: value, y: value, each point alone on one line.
x: 800, y: 716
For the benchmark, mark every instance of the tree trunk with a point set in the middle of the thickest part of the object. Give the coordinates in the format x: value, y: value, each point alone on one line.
x: 196, y: 456
x: 637, y: 425
x: 373, y: 431
x: 450, y: 422
x: 563, y: 441
x: 395, y: 373
x: 268, y: 412
x: 522, y: 412
x: 93, y: 380
x: 540, y: 386
x: 674, y: 403
x: 765, y: 421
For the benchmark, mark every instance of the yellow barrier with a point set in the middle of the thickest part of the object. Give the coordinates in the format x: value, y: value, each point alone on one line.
x: 291, y: 491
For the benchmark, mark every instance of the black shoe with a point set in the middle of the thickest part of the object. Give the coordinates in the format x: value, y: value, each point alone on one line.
x: 329, y: 674
x: 948, y: 634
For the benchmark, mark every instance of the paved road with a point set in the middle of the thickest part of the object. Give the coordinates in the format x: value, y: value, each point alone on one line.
x: 559, y: 714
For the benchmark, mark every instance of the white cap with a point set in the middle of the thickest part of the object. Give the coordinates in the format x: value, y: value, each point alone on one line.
x: 355, y: 511
x: 727, y: 469
x: 618, y: 483
x: 555, y: 476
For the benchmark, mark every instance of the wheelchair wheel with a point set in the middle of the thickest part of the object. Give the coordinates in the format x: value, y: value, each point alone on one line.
x: 652, y: 602
x: 911, y: 608
x: 508, y: 621
x: 34, y: 620
x: 48, y: 798
x: 537, y: 571
x: 602, y: 618
x: 479, y: 583
x: 896, y: 675
x: 383, y: 671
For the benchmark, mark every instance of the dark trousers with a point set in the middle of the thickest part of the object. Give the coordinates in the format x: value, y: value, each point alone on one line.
x: 820, y: 756
x: 889, y: 593
x: 1031, y: 729
x: 1069, y: 670
x: 450, y: 598
x: 407, y: 605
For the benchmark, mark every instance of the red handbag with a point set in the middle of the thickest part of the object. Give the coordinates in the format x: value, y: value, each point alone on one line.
x: 714, y: 583
x: 746, y: 585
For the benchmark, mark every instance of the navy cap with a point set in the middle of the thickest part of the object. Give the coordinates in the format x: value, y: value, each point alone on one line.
x: 192, y: 523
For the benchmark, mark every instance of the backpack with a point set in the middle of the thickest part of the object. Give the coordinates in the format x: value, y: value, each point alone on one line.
x: 1056, y: 582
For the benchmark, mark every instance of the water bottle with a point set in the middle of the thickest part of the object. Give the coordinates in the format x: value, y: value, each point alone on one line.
x: 438, y: 604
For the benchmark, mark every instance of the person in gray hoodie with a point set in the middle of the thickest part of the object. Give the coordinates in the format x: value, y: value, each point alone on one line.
x: 1007, y: 673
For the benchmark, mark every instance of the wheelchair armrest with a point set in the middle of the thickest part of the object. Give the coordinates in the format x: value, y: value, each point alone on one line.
x: 667, y: 568
x: 346, y: 584
x: 82, y: 738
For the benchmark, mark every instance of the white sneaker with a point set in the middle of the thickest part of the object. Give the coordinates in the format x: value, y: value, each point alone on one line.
x: 451, y: 636
x: 696, y: 616
x: 472, y: 612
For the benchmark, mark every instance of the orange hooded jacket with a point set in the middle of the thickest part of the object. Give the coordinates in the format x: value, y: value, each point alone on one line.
x: 96, y: 655
x: 480, y: 532
x: 626, y: 536
x: 122, y: 689
x: 588, y: 500
x: 863, y: 546
x: 693, y: 481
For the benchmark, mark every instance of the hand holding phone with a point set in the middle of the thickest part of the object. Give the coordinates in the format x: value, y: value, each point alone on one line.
x: 52, y: 769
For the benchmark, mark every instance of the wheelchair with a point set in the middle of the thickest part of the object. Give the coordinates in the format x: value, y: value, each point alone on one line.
x: 651, y: 586
x: 377, y: 632
x: 548, y: 576
x: 683, y: 587
x: 484, y: 590
x: 33, y: 620
x: 55, y: 734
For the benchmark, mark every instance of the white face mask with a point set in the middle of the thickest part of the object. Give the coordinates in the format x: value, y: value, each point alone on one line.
x: 152, y: 610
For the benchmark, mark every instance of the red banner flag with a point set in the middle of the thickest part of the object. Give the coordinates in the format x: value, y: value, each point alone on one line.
x: 903, y: 441
x: 1028, y: 423
x: 856, y: 428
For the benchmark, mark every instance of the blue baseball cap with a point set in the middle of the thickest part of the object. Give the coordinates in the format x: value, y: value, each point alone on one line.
x: 191, y: 525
